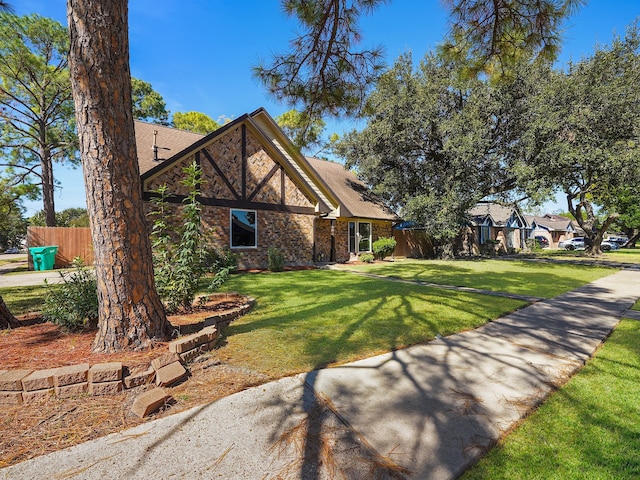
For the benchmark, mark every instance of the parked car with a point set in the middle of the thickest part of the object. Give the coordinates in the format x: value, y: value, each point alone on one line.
x: 12, y: 250
x: 542, y: 241
x: 607, y: 245
x: 576, y: 243
x: 620, y: 241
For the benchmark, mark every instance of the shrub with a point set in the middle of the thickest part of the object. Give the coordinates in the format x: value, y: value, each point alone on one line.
x: 73, y: 304
x: 221, y: 264
x: 179, y: 267
x: 383, y: 247
x: 367, y: 257
x: 276, y: 259
x: 533, y: 244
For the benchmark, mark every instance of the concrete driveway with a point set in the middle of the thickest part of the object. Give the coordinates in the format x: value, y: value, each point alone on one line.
x: 10, y: 278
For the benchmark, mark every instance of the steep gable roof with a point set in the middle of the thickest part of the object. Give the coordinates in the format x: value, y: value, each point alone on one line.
x: 194, y: 142
x: 337, y: 191
x: 495, y: 215
x: 356, y: 200
x: 552, y: 223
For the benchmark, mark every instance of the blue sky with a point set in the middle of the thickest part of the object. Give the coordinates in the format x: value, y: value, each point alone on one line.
x: 198, y: 54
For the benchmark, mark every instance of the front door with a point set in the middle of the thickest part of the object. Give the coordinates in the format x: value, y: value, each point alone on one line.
x: 359, y: 237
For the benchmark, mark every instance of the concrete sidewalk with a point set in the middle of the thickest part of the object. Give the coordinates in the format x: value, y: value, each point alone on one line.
x: 422, y: 412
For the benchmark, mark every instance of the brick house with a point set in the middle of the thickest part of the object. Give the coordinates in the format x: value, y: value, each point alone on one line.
x: 260, y: 192
x: 495, y: 228
x: 555, y: 228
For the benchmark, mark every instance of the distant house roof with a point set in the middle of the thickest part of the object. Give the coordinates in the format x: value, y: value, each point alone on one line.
x: 496, y: 215
x: 356, y: 200
x: 552, y: 223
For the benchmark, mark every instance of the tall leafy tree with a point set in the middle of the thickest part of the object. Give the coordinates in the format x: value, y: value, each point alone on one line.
x: 584, y: 129
x: 36, y: 108
x: 195, y: 122
x: 492, y: 36
x: 306, y: 134
x: 13, y: 226
x: 148, y: 105
x: 627, y: 208
x: 434, y: 144
x: 326, y: 73
x: 130, y: 315
x: 6, y: 318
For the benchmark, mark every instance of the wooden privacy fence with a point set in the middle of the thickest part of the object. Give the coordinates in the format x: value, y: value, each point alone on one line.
x: 413, y: 243
x: 71, y: 243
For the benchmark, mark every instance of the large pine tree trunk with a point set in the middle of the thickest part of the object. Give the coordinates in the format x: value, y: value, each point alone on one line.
x: 48, y: 184
x: 131, y: 314
x: 7, y: 320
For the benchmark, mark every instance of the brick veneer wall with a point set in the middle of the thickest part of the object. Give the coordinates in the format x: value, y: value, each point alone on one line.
x: 292, y: 233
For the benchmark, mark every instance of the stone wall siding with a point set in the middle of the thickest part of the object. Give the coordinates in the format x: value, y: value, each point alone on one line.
x: 289, y: 232
x: 323, y: 240
x: 381, y: 229
x: 226, y: 152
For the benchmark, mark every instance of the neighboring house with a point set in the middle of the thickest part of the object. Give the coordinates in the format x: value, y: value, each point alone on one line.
x: 554, y: 228
x: 494, y: 227
x: 259, y: 192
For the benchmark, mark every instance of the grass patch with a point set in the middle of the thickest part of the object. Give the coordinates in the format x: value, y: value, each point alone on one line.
x: 545, y: 280
x: 24, y: 299
x: 309, y: 319
x: 636, y: 306
x: 624, y: 255
x: 589, y: 429
x: 8, y: 261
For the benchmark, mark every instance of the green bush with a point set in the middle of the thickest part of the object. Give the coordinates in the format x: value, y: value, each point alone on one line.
x: 73, y: 304
x: 367, y: 257
x: 275, y: 259
x: 178, y: 267
x: 383, y: 247
x: 221, y: 264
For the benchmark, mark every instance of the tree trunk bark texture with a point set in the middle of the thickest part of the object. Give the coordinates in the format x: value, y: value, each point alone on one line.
x: 7, y: 320
x: 48, y: 186
x: 131, y: 315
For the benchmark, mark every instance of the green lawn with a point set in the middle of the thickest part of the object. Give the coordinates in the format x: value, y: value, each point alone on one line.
x: 538, y: 279
x: 589, y: 429
x: 305, y: 320
x: 625, y: 255
x: 24, y: 299
x: 6, y: 261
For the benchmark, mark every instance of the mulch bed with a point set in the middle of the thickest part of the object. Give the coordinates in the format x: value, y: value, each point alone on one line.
x: 45, y: 345
x: 28, y: 431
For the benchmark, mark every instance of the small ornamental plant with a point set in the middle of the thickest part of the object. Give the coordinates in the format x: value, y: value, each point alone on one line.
x: 367, y: 258
x: 275, y: 259
x: 73, y: 304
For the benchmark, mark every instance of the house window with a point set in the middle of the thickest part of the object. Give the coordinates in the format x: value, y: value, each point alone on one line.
x: 359, y: 237
x: 485, y: 234
x: 244, y: 229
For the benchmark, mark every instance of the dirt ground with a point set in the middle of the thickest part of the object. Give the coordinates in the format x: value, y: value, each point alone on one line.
x: 28, y: 431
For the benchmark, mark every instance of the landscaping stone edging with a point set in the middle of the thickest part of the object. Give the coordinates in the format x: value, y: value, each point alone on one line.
x: 24, y: 386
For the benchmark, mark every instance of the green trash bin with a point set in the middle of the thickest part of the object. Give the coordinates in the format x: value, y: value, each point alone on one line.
x: 43, y: 257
